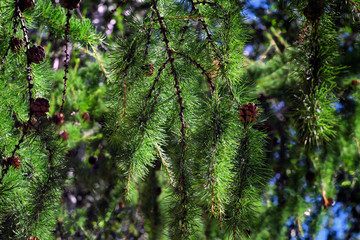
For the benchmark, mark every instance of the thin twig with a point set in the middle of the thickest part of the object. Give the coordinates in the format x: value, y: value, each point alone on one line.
x: 67, y: 57
x: 197, y: 65
x: 98, y: 59
x: 128, y: 181
x: 164, y: 162
x: 152, y: 89
x: 173, y: 72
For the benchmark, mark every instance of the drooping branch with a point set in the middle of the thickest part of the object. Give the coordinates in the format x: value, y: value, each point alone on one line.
x: 208, y: 34
x: 173, y: 71
x: 182, y: 187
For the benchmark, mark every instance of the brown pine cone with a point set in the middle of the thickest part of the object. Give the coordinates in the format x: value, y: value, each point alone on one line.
x: 58, y: 118
x: 86, y: 117
x: 70, y: 4
x: 64, y: 135
x: 314, y: 10
x: 40, y: 107
x: 13, y: 161
x: 355, y: 82
x: 16, y: 44
x: 25, y: 4
x: 33, y: 238
x: 248, y: 113
x: 35, y: 54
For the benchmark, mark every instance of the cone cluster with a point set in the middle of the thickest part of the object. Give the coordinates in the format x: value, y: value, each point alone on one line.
x: 70, y: 4
x: 40, y: 107
x: 248, y: 113
x: 35, y: 54
x: 25, y: 4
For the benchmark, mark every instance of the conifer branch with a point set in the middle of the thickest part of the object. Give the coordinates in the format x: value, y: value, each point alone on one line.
x: 16, y: 22
x: 128, y: 181
x: 208, y: 34
x: 208, y: 3
x: 182, y: 187
x: 355, y: 6
x: 114, y: 10
x: 124, y: 95
x: 67, y: 57
x: 149, y: 34
x: 173, y: 71
x: 98, y: 59
x: 164, y: 162
x: 5, y: 56
x: 184, y: 29
x: 30, y: 85
x: 27, y: 46
x: 198, y: 66
x: 152, y: 89
x: 357, y: 145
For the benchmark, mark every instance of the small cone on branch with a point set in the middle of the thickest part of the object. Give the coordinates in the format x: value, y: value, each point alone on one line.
x: 328, y: 202
x: 14, y: 161
x: 70, y: 4
x: 58, y: 118
x: 25, y: 4
x: 64, y: 135
x: 248, y: 113
x: 86, y: 117
x: 35, y: 54
x: 40, y: 107
x: 33, y: 238
x: 16, y: 44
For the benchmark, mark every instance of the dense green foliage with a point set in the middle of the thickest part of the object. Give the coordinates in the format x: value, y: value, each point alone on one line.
x: 171, y: 130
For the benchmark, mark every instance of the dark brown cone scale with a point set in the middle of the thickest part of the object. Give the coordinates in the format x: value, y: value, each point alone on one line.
x: 248, y: 113
x: 16, y: 44
x: 314, y: 10
x: 35, y: 54
x: 70, y: 4
x: 14, y: 161
x: 40, y: 107
x: 25, y: 4
x: 58, y: 118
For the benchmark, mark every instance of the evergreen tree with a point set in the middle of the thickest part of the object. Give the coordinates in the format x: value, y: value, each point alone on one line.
x: 163, y: 129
